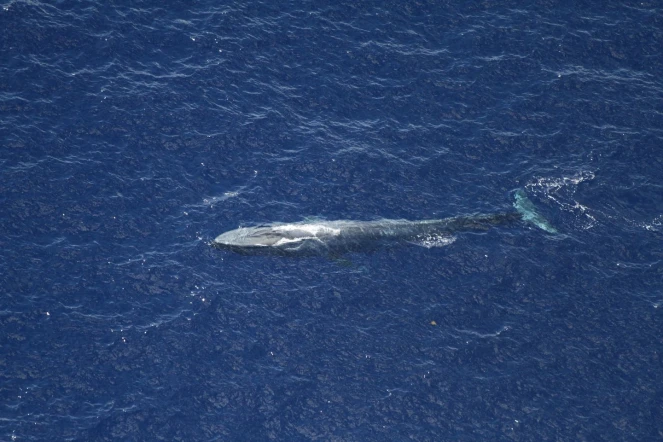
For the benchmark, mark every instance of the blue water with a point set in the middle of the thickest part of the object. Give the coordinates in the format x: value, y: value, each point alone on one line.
x: 133, y: 133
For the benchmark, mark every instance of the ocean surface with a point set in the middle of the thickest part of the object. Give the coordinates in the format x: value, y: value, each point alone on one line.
x: 133, y: 133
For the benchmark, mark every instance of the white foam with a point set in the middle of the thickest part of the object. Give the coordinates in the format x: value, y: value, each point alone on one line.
x: 561, y: 191
x: 653, y: 226
x: 282, y: 241
x: 435, y: 241
x: 312, y: 229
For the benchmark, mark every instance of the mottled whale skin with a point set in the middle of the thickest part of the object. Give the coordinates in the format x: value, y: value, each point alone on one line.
x: 337, y: 237
x: 304, y: 238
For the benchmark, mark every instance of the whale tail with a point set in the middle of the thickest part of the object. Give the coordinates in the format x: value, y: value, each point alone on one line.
x: 528, y: 212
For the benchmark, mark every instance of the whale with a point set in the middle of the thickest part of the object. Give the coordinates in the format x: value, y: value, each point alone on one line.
x: 319, y: 237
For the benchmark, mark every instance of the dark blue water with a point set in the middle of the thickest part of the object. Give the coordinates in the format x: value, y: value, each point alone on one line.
x: 133, y: 133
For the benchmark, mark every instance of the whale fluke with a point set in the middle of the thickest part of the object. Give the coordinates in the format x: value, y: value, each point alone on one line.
x: 526, y: 208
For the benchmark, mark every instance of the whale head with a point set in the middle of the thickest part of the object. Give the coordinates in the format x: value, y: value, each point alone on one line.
x: 288, y: 239
x: 249, y: 238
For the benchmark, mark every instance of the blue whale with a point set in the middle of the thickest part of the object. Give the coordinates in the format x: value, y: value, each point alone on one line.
x: 337, y: 237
